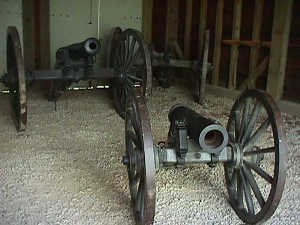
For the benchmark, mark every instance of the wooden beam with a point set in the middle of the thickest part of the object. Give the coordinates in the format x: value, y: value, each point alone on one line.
x: 176, y: 49
x: 251, y: 43
x: 218, y: 42
x: 147, y: 20
x: 202, y: 26
x: 204, y: 70
x: 279, y: 47
x: 172, y: 22
x: 256, y: 30
x: 251, y: 80
x: 188, y: 28
x: 236, y: 30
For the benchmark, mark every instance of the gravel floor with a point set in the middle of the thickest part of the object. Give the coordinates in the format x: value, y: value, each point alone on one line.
x: 66, y: 168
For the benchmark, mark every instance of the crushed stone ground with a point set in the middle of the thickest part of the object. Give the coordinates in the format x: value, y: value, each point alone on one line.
x: 65, y: 169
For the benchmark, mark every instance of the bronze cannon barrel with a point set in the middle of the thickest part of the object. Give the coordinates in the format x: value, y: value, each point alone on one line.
x: 208, y: 133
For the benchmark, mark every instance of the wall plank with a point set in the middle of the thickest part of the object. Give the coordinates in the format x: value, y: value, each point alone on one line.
x: 236, y: 31
x: 279, y: 47
x: 218, y: 42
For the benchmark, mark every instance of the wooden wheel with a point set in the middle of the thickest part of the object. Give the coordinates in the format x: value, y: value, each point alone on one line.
x: 255, y: 178
x: 140, y: 159
x: 112, y: 45
x: 16, y: 80
x: 132, y: 67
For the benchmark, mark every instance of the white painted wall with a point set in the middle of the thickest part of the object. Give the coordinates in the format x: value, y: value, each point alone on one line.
x: 69, y: 21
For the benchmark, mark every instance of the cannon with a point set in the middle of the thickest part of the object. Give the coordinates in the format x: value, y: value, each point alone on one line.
x: 78, y: 56
x: 76, y: 62
x: 252, y: 148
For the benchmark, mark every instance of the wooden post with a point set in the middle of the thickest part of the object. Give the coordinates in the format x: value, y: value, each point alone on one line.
x: 28, y: 35
x: 42, y: 34
x: 256, y: 29
x: 147, y: 20
x: 218, y: 42
x: 236, y: 30
x: 188, y: 28
x: 45, y: 34
x: 202, y: 25
x: 172, y: 22
x: 279, y: 47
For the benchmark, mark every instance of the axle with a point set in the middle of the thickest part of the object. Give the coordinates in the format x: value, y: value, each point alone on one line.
x: 168, y: 157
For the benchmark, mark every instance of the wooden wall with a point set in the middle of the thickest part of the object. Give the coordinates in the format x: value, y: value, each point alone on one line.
x: 249, y: 12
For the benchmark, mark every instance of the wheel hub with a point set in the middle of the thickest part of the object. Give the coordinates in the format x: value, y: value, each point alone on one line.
x: 238, y: 155
x: 133, y: 161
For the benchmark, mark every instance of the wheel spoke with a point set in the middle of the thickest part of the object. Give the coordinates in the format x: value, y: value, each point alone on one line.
x: 237, y: 123
x: 127, y: 42
x: 135, y: 56
x: 260, y: 151
x: 247, y: 192
x: 136, y: 69
x: 250, y: 178
x: 262, y: 129
x: 245, y: 119
x: 135, y: 124
x: 231, y: 131
x: 142, y: 207
x: 259, y: 171
x: 134, y: 181
x: 120, y: 56
x: 131, y: 52
x: 139, y: 196
x: 239, y: 192
x: 255, y: 113
x: 135, y: 78
x: 233, y: 180
x: 132, y: 136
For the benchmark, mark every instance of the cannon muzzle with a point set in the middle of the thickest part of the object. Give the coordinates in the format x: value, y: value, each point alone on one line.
x: 211, y: 136
x: 75, y: 52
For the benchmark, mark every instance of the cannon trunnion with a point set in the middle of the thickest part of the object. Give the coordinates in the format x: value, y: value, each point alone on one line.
x: 252, y: 149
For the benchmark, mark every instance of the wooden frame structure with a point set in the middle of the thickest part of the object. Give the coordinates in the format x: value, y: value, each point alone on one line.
x: 275, y: 63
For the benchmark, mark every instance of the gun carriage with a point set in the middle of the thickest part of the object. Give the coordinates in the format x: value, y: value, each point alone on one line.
x: 130, y: 62
x: 252, y: 149
x: 74, y: 63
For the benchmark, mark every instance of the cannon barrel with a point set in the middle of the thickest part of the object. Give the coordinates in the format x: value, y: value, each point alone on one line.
x: 208, y: 133
x: 89, y: 47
